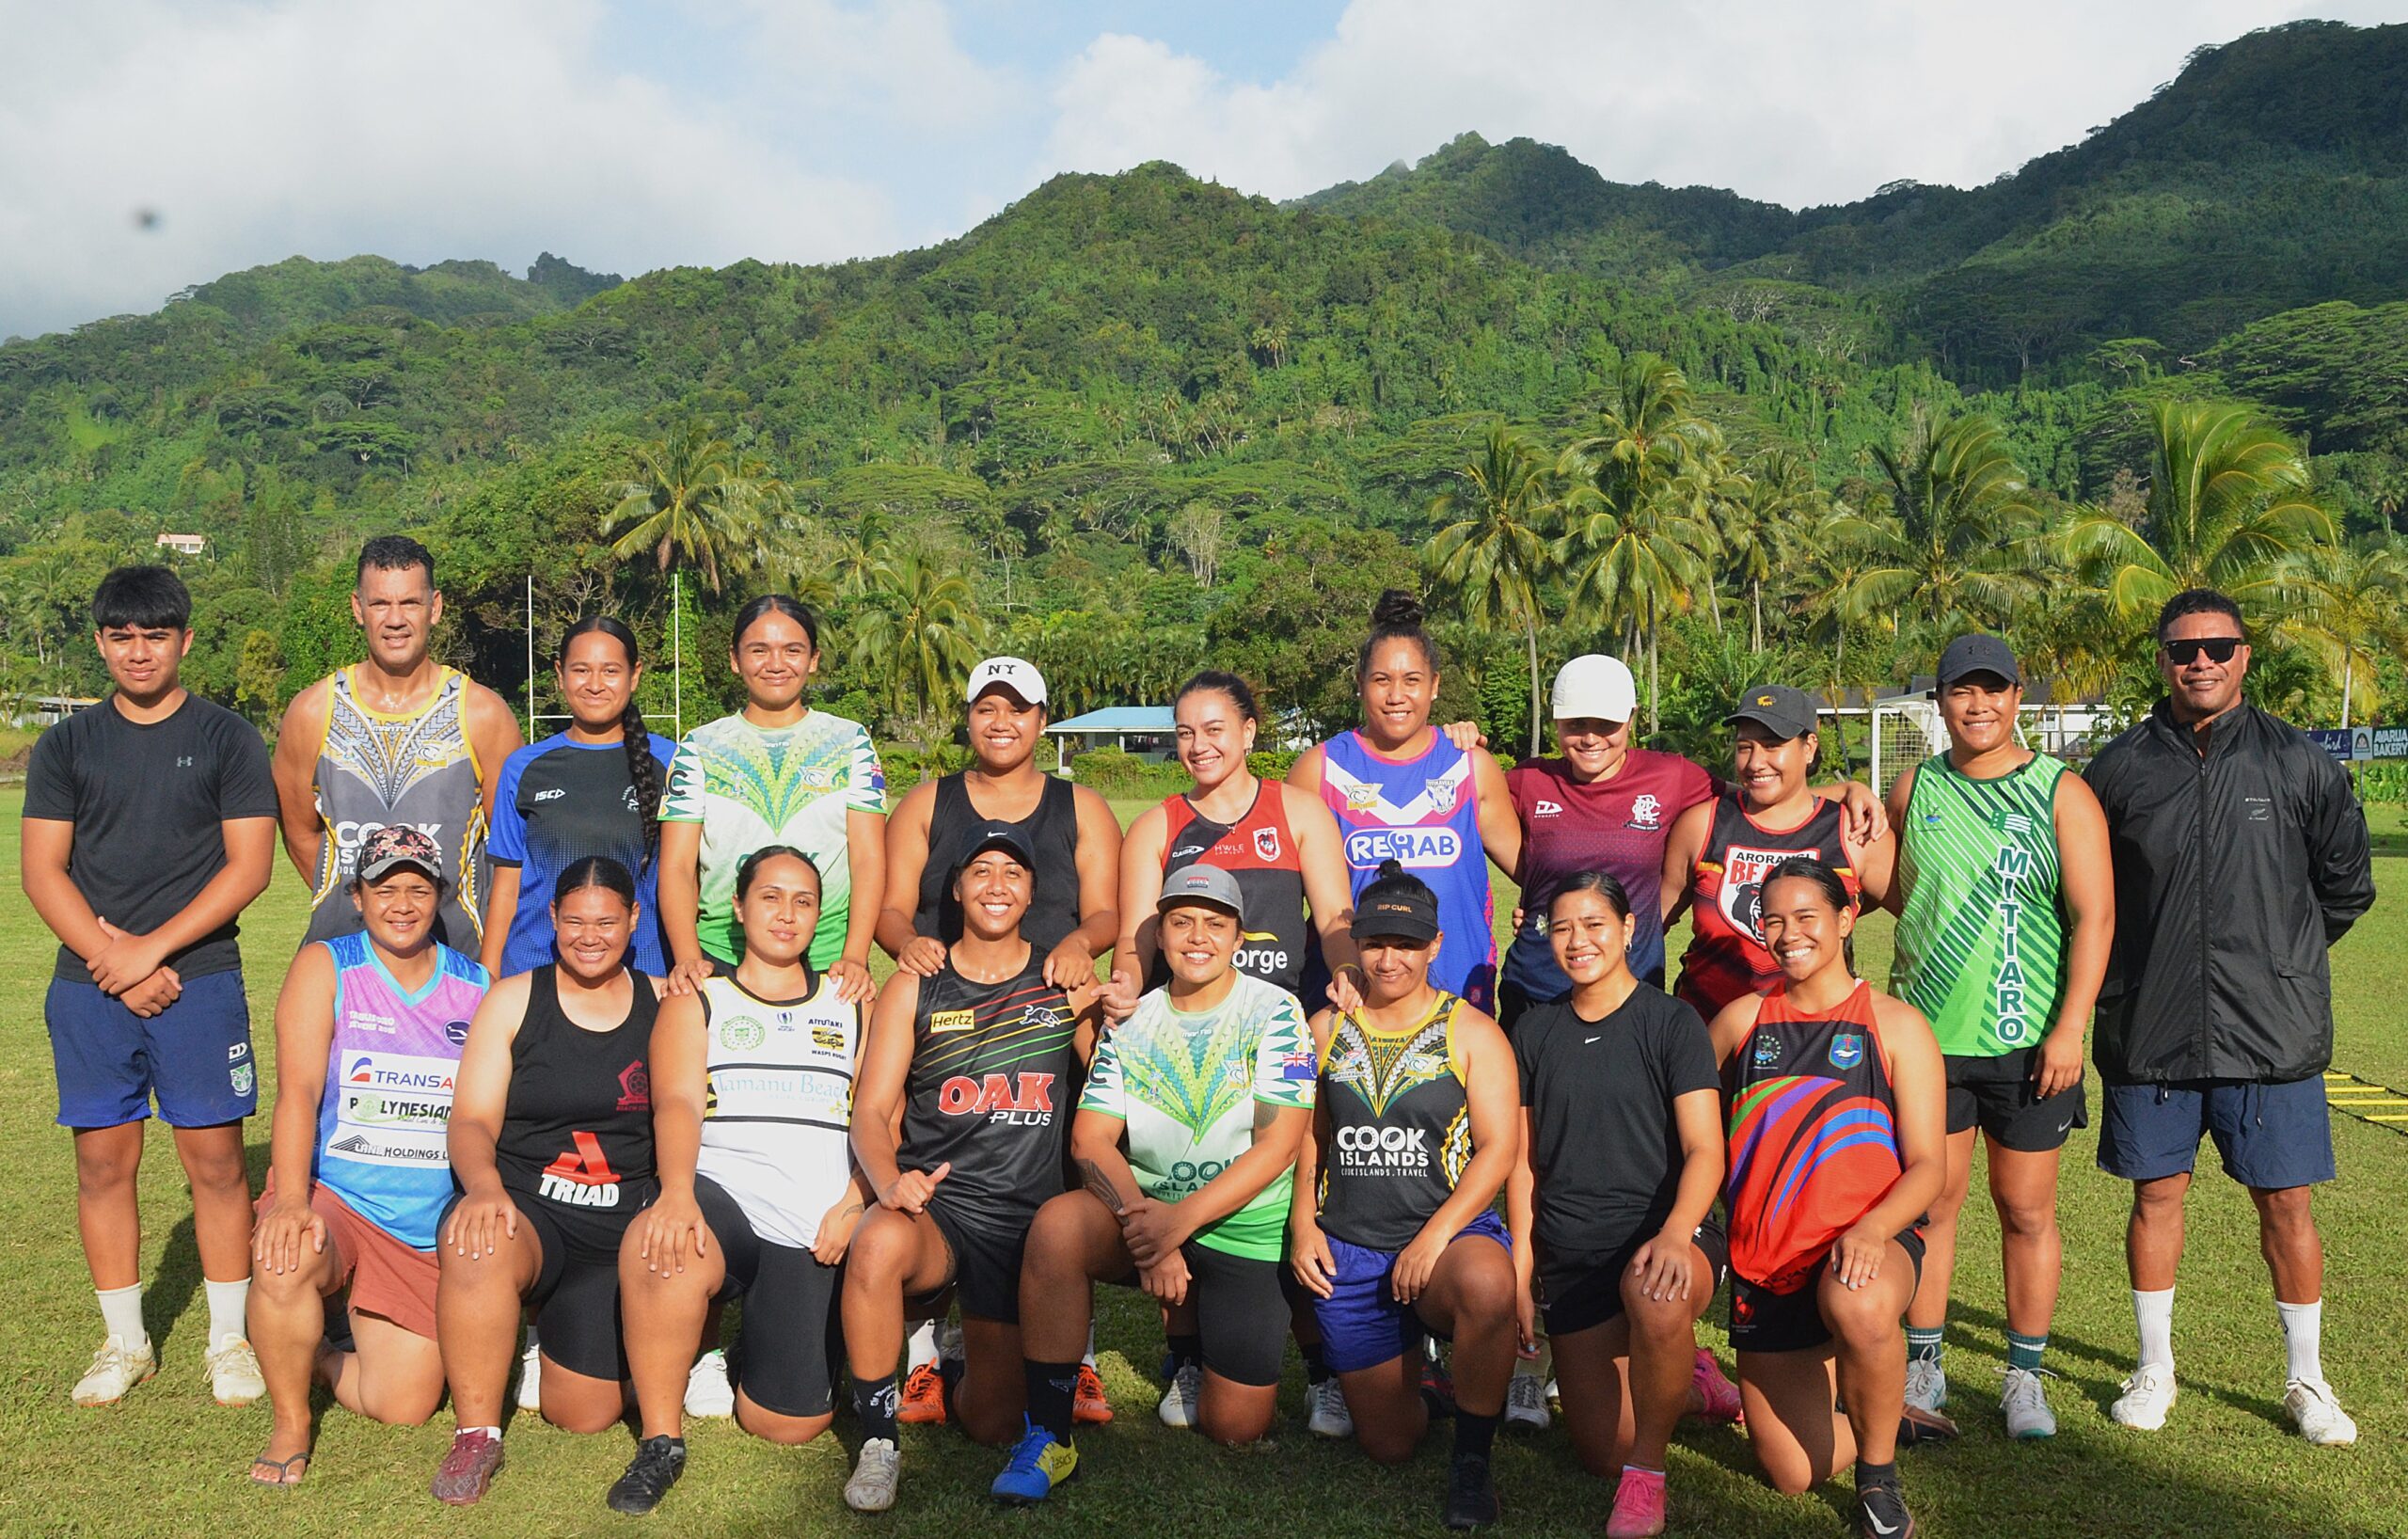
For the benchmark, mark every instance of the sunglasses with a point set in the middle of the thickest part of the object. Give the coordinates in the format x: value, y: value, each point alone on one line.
x: 2218, y: 648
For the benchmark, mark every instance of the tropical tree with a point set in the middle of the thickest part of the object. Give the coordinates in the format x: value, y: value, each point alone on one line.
x: 2349, y: 605
x: 2228, y: 507
x: 918, y: 625
x: 1491, y: 552
x: 1958, y: 547
x: 697, y: 503
x: 1830, y: 558
x: 1777, y: 501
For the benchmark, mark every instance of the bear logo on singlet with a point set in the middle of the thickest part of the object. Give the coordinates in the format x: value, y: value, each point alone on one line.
x: 1743, y: 880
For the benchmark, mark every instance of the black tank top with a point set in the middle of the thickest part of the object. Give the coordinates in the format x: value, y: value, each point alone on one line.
x: 1400, y: 1128
x: 993, y: 1080
x: 577, y: 1129
x: 1053, y: 835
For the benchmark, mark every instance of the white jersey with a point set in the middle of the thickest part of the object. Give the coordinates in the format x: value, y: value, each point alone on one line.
x: 778, y: 1104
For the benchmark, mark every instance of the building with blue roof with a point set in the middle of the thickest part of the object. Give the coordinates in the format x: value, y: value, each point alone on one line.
x: 1145, y: 731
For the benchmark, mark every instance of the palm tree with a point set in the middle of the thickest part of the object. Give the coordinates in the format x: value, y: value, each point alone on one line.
x: 1631, y: 539
x: 2352, y: 609
x: 1493, y: 552
x: 1959, y: 551
x: 919, y: 624
x: 1778, y: 499
x: 1830, y: 558
x: 697, y: 503
x: 2229, y: 503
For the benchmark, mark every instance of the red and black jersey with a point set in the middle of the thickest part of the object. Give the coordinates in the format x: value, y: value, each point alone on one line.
x: 994, y: 1081
x: 1726, y: 958
x: 577, y: 1126
x: 1260, y: 852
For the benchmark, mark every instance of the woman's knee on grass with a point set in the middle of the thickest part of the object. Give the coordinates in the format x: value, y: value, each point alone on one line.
x: 1237, y: 1419
x: 770, y: 1427
x: 574, y: 1402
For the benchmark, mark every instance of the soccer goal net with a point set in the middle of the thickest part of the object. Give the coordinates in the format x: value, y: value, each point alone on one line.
x: 1899, y: 733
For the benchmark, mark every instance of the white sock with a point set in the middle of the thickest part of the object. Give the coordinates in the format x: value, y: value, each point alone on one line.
x: 228, y: 1301
x: 2153, y: 1312
x: 2303, y: 1331
x: 1088, y: 1357
x: 494, y: 1432
x: 121, y: 1312
x: 920, y: 1347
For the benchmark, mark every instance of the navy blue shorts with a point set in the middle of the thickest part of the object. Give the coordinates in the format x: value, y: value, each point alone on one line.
x: 1362, y: 1325
x: 2270, y: 1137
x: 195, y: 1057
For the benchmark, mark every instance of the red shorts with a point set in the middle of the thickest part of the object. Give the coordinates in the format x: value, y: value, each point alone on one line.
x: 387, y: 1278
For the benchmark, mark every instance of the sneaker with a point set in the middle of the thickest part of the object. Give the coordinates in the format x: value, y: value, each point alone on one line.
x: 1917, y: 1426
x: 2318, y: 1416
x: 1438, y: 1391
x: 1183, y: 1394
x: 1926, y: 1385
x: 1471, y: 1497
x: 1326, y: 1412
x: 707, y: 1391
x: 530, y: 1378
x: 1554, y: 1396
x: 2026, y: 1401
x: 233, y: 1372
x: 875, y: 1474
x: 1525, y: 1402
x: 923, y: 1402
x: 1718, y: 1398
x: 468, y: 1469
x: 1638, y: 1506
x: 1089, y: 1406
x: 1039, y: 1464
x: 2148, y: 1394
x: 654, y: 1469
x: 1881, y: 1513
x: 115, y: 1370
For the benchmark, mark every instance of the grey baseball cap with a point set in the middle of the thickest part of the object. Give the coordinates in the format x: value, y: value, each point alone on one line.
x: 1202, y: 885
x: 1976, y: 653
x: 1786, y: 711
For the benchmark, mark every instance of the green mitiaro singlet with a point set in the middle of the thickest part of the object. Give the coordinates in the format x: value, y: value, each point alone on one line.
x: 1981, y: 938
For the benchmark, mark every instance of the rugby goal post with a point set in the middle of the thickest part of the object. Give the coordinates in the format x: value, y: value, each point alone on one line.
x: 1904, y: 730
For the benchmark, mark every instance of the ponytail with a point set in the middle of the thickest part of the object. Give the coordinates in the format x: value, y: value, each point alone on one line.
x: 643, y: 770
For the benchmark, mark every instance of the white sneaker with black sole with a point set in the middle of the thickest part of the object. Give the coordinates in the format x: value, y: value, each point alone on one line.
x: 1183, y: 1394
x: 1525, y: 1402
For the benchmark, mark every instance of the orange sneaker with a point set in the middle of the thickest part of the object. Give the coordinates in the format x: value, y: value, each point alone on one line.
x: 922, y: 1397
x: 1088, y: 1406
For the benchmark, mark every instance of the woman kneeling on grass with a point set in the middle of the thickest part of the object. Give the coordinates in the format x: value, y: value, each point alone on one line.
x: 1414, y: 1137
x: 1838, y: 1142
x: 552, y: 1146
x: 1623, y: 1160
x: 368, y: 1032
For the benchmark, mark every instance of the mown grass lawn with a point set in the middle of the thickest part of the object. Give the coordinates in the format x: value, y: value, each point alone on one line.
x: 168, y: 1461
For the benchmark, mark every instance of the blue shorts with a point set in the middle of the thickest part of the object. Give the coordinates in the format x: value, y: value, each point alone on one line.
x: 195, y: 1056
x: 1362, y: 1325
x: 2270, y: 1137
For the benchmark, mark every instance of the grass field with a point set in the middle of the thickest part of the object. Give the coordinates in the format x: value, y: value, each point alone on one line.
x: 168, y: 1461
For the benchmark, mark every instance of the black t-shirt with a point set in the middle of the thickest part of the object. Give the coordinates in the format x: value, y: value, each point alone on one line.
x: 147, y: 800
x: 1605, y: 1148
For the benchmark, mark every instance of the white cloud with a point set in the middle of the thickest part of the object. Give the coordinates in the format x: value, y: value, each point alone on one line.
x: 897, y: 60
x: 439, y: 128
x: 1799, y: 103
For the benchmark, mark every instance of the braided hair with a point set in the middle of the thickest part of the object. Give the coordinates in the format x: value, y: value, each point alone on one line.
x: 643, y: 770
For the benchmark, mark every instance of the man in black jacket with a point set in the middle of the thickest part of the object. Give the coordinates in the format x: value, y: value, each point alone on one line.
x: 2241, y: 856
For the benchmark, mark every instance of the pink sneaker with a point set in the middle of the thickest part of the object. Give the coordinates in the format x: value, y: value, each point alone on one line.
x: 1638, y: 1506
x: 1718, y: 1396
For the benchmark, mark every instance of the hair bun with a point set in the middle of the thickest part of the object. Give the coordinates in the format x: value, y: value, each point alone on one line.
x: 1398, y: 609
x: 1390, y: 867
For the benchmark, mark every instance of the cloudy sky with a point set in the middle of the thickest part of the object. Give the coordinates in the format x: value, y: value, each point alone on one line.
x: 630, y: 134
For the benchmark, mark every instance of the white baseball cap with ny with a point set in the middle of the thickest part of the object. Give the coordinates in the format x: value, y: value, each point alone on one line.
x: 1594, y: 686
x: 1018, y: 674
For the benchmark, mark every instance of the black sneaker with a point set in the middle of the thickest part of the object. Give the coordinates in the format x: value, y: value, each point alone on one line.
x: 1881, y: 1513
x: 654, y: 1469
x: 1471, y: 1499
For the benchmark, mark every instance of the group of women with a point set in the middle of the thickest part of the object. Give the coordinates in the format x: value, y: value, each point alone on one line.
x: 671, y: 1085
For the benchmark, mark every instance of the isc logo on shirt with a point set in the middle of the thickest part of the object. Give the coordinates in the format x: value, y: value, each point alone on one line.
x: 1424, y: 847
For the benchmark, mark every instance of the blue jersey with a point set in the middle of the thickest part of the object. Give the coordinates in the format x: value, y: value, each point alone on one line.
x: 1424, y: 814
x: 558, y: 801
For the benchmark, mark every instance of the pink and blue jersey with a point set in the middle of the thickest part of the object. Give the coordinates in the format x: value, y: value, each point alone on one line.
x: 387, y: 1107
x: 1423, y: 813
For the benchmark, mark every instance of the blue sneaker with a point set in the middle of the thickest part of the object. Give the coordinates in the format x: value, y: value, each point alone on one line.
x: 1038, y: 1465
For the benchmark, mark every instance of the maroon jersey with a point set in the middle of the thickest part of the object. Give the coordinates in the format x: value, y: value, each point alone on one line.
x: 1620, y: 825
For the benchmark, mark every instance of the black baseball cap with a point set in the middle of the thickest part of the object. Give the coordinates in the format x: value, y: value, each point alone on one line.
x: 998, y: 836
x: 1976, y: 653
x: 1786, y: 711
x: 1404, y: 911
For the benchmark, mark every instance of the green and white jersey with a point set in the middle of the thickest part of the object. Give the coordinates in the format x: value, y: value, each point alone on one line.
x: 1981, y: 938
x: 750, y: 787
x: 1187, y: 1084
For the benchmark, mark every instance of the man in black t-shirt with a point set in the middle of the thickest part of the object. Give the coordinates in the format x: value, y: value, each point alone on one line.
x: 150, y: 824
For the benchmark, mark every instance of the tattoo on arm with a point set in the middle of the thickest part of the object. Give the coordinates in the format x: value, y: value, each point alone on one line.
x: 1091, y: 1176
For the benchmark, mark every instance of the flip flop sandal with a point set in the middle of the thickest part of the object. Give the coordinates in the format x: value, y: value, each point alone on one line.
x: 285, y: 1479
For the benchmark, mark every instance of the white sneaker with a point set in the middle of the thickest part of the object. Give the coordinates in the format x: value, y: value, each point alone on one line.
x: 707, y: 1393
x: 1525, y: 1402
x: 1186, y: 1392
x: 1554, y: 1395
x: 2148, y: 1394
x: 1926, y: 1385
x: 531, y: 1374
x: 114, y: 1370
x: 2318, y: 1416
x: 2026, y: 1401
x: 233, y: 1372
x: 1326, y: 1415
x: 875, y: 1474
